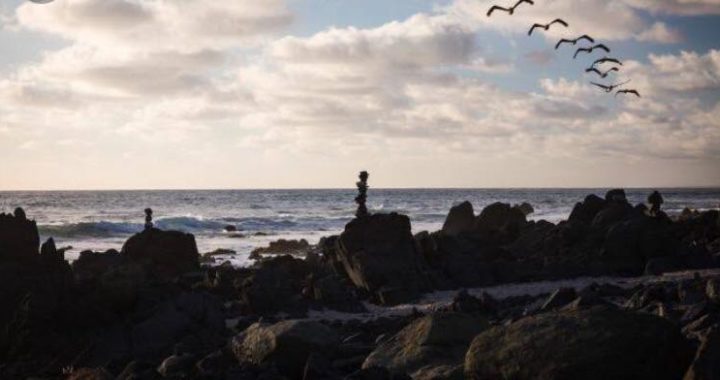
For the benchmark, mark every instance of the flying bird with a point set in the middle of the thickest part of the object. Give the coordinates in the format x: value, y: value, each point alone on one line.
x: 610, y: 88
x: 606, y: 59
x: 634, y: 92
x: 547, y: 26
x: 510, y: 10
x: 600, y: 73
x: 591, y: 49
x: 575, y: 41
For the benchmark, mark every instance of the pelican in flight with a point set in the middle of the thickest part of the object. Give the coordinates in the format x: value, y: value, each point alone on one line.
x: 591, y: 49
x: 547, y: 26
x: 510, y: 10
x: 600, y: 73
x: 575, y: 41
x: 610, y: 88
x: 634, y: 92
x: 606, y: 59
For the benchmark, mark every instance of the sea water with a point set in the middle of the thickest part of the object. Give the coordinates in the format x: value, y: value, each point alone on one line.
x: 100, y: 220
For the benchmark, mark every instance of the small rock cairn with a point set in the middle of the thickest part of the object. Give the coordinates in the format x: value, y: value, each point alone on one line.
x: 362, y: 186
x: 148, y: 219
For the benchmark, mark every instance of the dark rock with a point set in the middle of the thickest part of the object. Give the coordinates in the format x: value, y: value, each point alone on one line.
x: 137, y: 370
x: 706, y: 365
x: 90, y: 374
x: 19, y: 238
x: 284, y: 247
x: 286, y: 344
x: 525, y: 208
x: 377, y: 373
x: 587, y: 210
x: 461, y: 219
x: 276, y: 286
x: 167, y: 254
x: 596, y: 343
x: 214, y: 364
x: 438, y: 340
x: 559, y: 298
x: 712, y: 290
x: 317, y: 367
x: 464, y: 302
x: 379, y: 251
x: 177, y: 365
x: 616, y: 195
x: 500, y: 222
x: 92, y: 265
x: 332, y: 292
x: 230, y: 228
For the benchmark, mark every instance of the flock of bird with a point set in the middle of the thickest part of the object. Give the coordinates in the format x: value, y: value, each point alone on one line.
x: 596, y: 66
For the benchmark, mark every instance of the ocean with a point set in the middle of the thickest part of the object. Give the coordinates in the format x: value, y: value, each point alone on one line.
x: 100, y: 220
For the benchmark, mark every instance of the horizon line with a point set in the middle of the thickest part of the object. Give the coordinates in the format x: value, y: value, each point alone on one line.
x: 700, y: 187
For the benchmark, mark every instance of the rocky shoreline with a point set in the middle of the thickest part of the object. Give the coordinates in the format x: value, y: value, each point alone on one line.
x: 152, y: 311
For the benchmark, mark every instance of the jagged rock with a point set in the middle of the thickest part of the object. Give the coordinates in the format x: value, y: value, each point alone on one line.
x: 712, y: 290
x: 596, y: 343
x: 616, y: 195
x: 434, y: 341
x: 167, y: 254
x: 91, y: 265
x: 378, y: 251
x: 525, y: 208
x: 19, y: 238
x: 464, y: 302
x: 461, y: 219
x: 377, y: 373
x: 286, y: 344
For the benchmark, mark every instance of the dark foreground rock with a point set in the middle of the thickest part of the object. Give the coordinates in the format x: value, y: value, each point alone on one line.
x: 595, y: 343
x: 168, y: 254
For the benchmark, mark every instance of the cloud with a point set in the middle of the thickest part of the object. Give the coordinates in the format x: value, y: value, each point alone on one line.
x: 660, y: 32
x: 678, y: 7
x: 181, y: 25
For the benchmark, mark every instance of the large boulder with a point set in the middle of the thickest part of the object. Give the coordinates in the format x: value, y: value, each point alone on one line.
x: 378, y: 253
x: 461, y: 219
x: 286, y: 344
x: 706, y: 365
x: 167, y: 254
x: 500, y: 221
x: 585, y: 211
x: 586, y: 343
x: 91, y: 265
x: 430, y: 345
x: 276, y: 286
x: 640, y: 239
x: 19, y: 238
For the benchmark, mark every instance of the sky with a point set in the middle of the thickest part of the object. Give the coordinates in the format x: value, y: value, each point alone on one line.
x: 192, y: 94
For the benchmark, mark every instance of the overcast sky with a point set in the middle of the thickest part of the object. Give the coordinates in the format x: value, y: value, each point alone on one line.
x: 121, y: 94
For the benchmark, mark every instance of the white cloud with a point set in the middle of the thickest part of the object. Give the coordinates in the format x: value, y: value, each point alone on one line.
x: 660, y: 32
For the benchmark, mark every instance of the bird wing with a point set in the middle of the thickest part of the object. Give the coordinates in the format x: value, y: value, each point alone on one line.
x: 497, y: 7
x: 602, y: 47
x: 588, y: 50
x: 593, y: 70
x: 523, y: 1
x: 611, y: 70
x: 562, y: 42
x: 559, y: 21
x: 613, y: 60
x: 604, y: 87
x: 585, y: 37
x: 533, y: 28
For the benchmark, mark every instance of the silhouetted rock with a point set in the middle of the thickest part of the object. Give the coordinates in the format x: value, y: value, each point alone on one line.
x: 276, y: 285
x: 616, y: 195
x: 92, y: 265
x: 333, y: 293
x: 19, y: 238
x: 379, y: 251
x: 587, y: 210
x: 461, y: 219
x: 284, y: 247
x: 706, y: 364
x: 286, y: 344
x: 377, y: 373
x: 167, y: 254
x: 559, y: 298
x: 596, y: 343
x: 433, y: 344
x: 500, y: 221
x: 90, y: 374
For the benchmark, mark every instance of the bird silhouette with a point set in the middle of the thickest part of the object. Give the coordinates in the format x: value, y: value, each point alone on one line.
x: 605, y: 60
x: 591, y: 49
x: 600, y: 73
x: 611, y: 87
x: 547, y: 26
x: 634, y: 92
x: 575, y: 41
x: 510, y: 10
